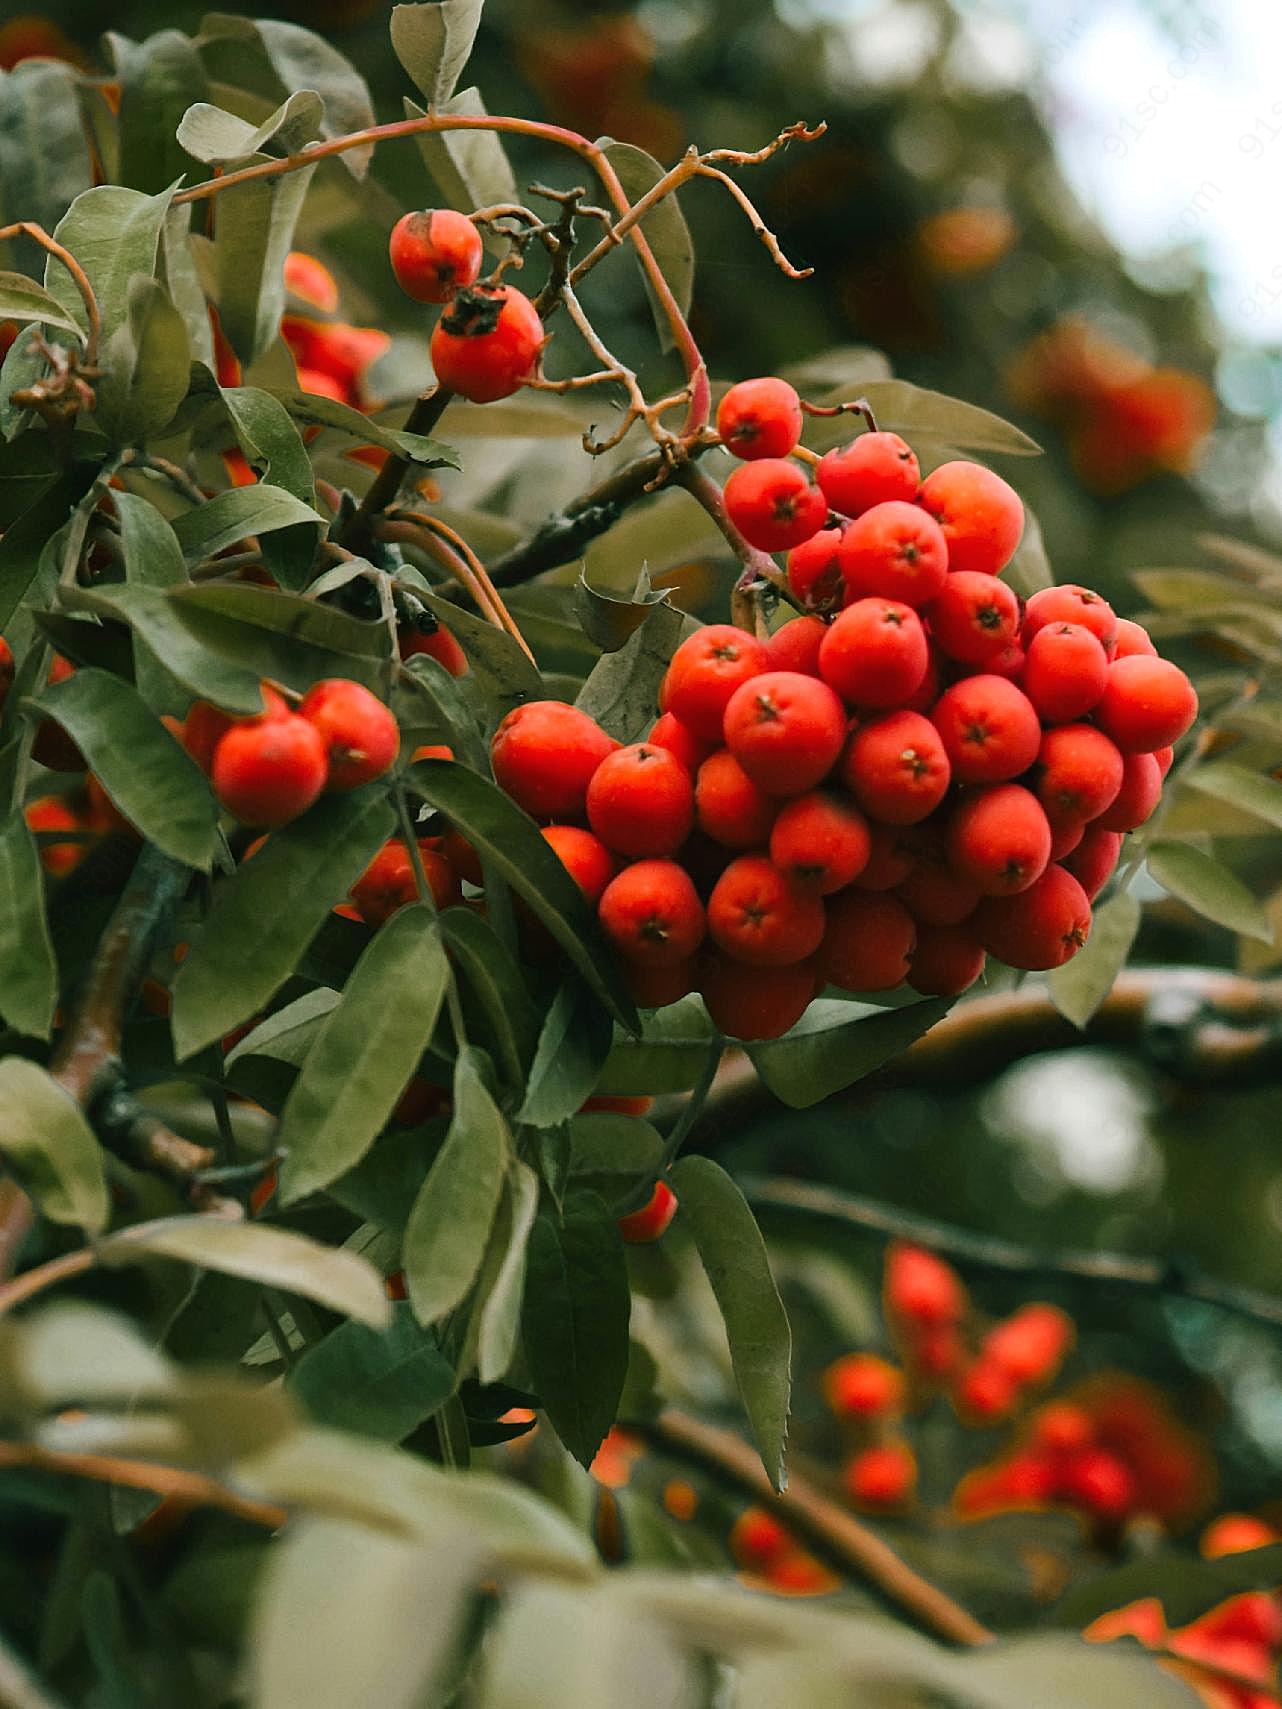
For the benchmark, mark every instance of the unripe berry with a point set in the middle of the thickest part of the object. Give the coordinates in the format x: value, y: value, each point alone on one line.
x: 758, y: 917
x: 267, y: 771
x: 759, y: 418
x: 652, y: 914
x: 360, y: 734
x: 1148, y: 703
x: 433, y: 252
x: 881, y: 1477
x: 755, y: 1002
x: 1065, y: 672
x: 875, y: 654
x: 874, y: 469
x: 1000, y: 839
x: 860, y: 1386
x: 487, y: 343
x: 729, y: 807
x: 584, y: 856
x: 980, y: 514
x: 705, y: 671
x: 544, y: 754
x: 894, y: 551
x: 974, y: 617
x: 1079, y: 773
x: 814, y: 571
x: 641, y: 801
x: 786, y: 730
x: 1041, y: 928
x: 1069, y: 603
x: 773, y: 505
x: 641, y: 1227
x: 795, y: 645
x: 868, y: 943
x: 946, y: 960
x: 896, y: 768
x: 1139, y: 795
x: 921, y: 1291
x: 820, y: 841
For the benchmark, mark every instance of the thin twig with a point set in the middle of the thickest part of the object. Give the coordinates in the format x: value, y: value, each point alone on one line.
x: 757, y: 566
x: 478, y: 581
x: 47, y: 1275
x: 194, y: 1487
x: 38, y: 234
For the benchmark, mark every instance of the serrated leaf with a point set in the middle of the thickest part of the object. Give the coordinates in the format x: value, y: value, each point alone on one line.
x: 114, y: 234
x: 500, y: 665
x: 330, y: 1275
x: 156, y: 785
x: 500, y: 1314
x: 217, y: 138
x: 664, y: 229
x: 277, y: 901
x: 574, y: 1328
x: 450, y: 1223
x: 433, y: 42
x: 733, y: 1254
x: 28, y: 968
x: 158, y: 79
x: 1253, y: 793
x: 365, y: 1053
x: 146, y: 367
x: 51, y: 1146
x: 835, y: 1043
x: 381, y: 1384
x: 492, y: 979
x: 508, y: 839
x: 573, y: 1045
x: 1081, y: 985
x: 1209, y: 888
x: 621, y: 692
x: 22, y: 299
x: 469, y: 168
x: 255, y: 233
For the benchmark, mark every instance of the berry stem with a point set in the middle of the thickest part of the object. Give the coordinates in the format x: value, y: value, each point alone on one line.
x: 757, y: 566
x: 188, y: 1486
x: 38, y: 234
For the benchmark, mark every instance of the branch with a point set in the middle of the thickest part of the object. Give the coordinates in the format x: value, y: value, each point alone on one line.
x: 175, y: 1481
x: 757, y: 566
x: 38, y: 234
x: 563, y: 537
x: 853, y: 1214
x: 845, y: 1542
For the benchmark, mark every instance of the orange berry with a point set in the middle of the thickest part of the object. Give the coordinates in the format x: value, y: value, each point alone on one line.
x: 640, y: 801
x: 651, y: 912
x: 881, y: 1477
x: 359, y: 731
x: 268, y: 770
x: 860, y: 1385
x: 544, y: 754
x: 641, y: 1227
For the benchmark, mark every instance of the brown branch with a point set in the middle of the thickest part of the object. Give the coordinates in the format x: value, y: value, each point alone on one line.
x: 563, y: 537
x: 38, y: 234
x: 47, y: 1275
x: 194, y: 1487
x: 842, y: 1540
x: 473, y: 575
x: 382, y: 490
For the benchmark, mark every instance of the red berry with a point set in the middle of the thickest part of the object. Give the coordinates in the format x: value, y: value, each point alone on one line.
x: 896, y: 768
x: 868, y: 943
x: 773, y: 505
x: 641, y: 801
x: 584, y: 856
x: 680, y: 741
x: 890, y: 859
x: 439, y: 645
x: 757, y: 1539
x: 1065, y: 837
x: 1065, y: 671
x: 544, y: 754
x: 1069, y: 603
x: 989, y: 729
x: 875, y: 654
x: 1079, y: 773
x: 1061, y: 1428
x: 874, y: 469
x: 814, y: 571
x: 755, y: 1002
x: 935, y: 895
x: 433, y: 252
x: 1165, y: 758
x: 946, y: 961
x: 641, y: 1227
x: 894, y: 551
x: 1137, y: 798
x: 267, y: 771
x: 389, y: 881
x: 656, y: 987
x: 1132, y: 638
x: 786, y: 730
x: 1030, y: 1345
x: 974, y: 617
x: 921, y: 1291
x: 1148, y: 703
x: 1000, y: 839
x: 1232, y: 1533
x: 1041, y: 928
x: 881, y: 1477
x: 820, y: 841
x: 360, y: 734
x: 985, y: 1393
x: 980, y: 514
x: 651, y: 912
x: 794, y: 646
x: 729, y: 807
x: 1100, y: 1482
x: 1094, y: 860
x: 206, y: 725
x: 705, y: 671
x: 759, y: 418
x: 758, y: 917
x: 52, y: 813
x: 487, y: 343
x: 860, y: 1385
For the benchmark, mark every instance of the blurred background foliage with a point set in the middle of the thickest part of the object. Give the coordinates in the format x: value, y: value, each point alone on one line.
x: 943, y: 233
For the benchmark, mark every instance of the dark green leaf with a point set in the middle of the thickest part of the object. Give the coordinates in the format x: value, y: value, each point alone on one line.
x: 255, y: 233
x: 329, y: 412
x: 831, y: 1047
x: 500, y: 1314
x: 450, y: 1223
x: 1186, y: 1587
x: 158, y: 78
x: 433, y: 42
x: 114, y: 234
x: 182, y: 280
x: 290, y: 1032
x: 212, y: 527
x: 609, y: 621
x: 50, y: 1146
x: 573, y: 1045
x: 22, y: 299
x: 381, y: 1385
x: 44, y: 163
x: 574, y: 1327
x: 1257, y: 795
x: 146, y: 366
x: 276, y: 902
x: 217, y: 138
x: 151, y: 551
x: 365, y: 1053
x: 115, y: 1661
x: 274, y: 448
x: 1079, y: 987
x: 669, y: 1055
x: 917, y: 413
x: 734, y: 1255
x: 1029, y: 570
x: 492, y: 978
x: 664, y: 229
x: 159, y: 630
x: 622, y: 691
x: 1209, y: 888
x: 614, y: 1154
x: 509, y: 840
x: 28, y: 970
x: 469, y: 168
x: 154, y: 783
x: 500, y: 666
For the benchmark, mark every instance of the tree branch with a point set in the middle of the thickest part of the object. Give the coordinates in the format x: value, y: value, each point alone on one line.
x: 842, y: 1540
x: 195, y: 1487
x: 563, y: 537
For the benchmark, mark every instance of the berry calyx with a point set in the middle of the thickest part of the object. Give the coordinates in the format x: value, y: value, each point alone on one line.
x: 487, y: 343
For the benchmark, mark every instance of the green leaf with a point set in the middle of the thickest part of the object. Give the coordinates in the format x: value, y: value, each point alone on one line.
x: 44, y: 163
x: 574, y: 1326
x: 1259, y: 796
x: 499, y: 664
x: 22, y: 299
x: 210, y: 528
x: 156, y: 785
x: 75, y: 1354
x: 158, y: 79
x: 668, y: 1056
x: 664, y: 229
x: 255, y: 233
x: 277, y: 902
x: 328, y: 412
x: 114, y: 234
x: 836, y: 1043
x: 469, y: 168
x: 274, y: 448
x: 492, y: 978
x: 433, y: 42
x: 1029, y: 570
x: 622, y: 691
x: 181, y: 279
x: 500, y: 1315
x: 734, y: 1255
x: 146, y: 367
x: 1186, y: 1587
x: 161, y: 634
x: 380, y: 1384
x: 1208, y: 888
x: 365, y: 1052
x: 609, y: 621
x: 573, y: 1045
x: 1055, y: 1671
x: 454, y: 1211
x: 614, y: 1154
x: 218, y: 138
x: 330, y: 1275
x: 50, y: 1146
x: 916, y: 413
x: 24, y: 540
x: 151, y: 551
x: 28, y: 968
x: 509, y: 840
x: 290, y: 1032
x: 1079, y: 987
